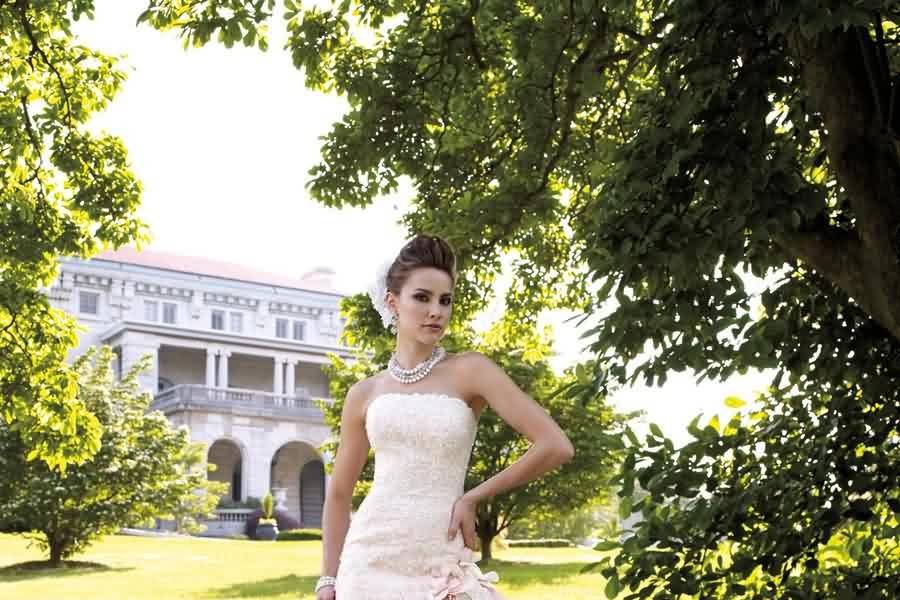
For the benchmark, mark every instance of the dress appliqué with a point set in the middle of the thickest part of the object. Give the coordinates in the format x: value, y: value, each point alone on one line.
x: 463, y: 581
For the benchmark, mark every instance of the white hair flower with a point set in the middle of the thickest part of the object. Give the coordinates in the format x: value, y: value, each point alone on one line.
x: 378, y: 292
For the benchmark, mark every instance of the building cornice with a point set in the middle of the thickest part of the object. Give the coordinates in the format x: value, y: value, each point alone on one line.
x: 120, y: 328
x: 105, y: 265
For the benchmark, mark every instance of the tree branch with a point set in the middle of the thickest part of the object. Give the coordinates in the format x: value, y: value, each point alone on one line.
x: 864, y: 159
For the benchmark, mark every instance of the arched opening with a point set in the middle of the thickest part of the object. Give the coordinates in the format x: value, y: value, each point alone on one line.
x: 298, y: 478
x: 312, y: 493
x: 226, y: 456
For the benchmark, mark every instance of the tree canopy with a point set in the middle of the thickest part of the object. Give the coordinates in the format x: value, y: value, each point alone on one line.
x: 144, y: 468
x: 63, y: 191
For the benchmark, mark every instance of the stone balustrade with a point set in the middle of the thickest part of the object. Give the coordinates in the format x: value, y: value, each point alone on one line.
x: 239, y: 401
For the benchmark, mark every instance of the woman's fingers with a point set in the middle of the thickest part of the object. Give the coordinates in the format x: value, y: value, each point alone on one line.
x: 472, y: 538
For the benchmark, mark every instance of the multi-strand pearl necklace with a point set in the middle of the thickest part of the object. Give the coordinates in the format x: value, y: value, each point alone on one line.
x: 417, y: 372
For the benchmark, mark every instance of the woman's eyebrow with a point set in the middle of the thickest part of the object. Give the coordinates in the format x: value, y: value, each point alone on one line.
x: 429, y: 291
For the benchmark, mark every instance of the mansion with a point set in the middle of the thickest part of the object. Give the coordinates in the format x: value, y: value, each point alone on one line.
x: 236, y: 357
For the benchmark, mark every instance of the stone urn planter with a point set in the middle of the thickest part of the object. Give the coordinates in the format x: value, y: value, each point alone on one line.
x: 266, y: 531
x: 267, y: 528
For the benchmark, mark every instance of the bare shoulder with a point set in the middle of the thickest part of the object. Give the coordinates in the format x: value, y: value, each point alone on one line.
x: 469, y: 368
x: 358, y: 396
x: 473, y: 359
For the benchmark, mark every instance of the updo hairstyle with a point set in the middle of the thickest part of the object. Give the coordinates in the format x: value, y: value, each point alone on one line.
x: 421, y: 251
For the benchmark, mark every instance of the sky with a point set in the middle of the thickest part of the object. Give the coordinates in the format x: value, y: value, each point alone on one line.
x: 222, y: 141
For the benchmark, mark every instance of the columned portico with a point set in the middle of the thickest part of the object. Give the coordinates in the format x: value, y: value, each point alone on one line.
x: 219, y: 362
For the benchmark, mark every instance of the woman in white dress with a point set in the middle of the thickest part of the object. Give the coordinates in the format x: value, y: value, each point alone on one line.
x: 413, y: 537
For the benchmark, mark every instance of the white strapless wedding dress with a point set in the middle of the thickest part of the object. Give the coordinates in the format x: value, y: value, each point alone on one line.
x: 396, y: 547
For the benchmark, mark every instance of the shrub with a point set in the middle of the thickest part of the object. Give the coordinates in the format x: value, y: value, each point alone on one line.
x: 295, y: 535
x: 250, y: 502
x: 541, y: 543
x: 284, y: 521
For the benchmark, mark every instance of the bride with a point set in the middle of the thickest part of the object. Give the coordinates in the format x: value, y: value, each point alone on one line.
x: 413, y: 537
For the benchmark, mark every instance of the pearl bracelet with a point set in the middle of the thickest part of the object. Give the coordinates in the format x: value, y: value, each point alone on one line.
x: 324, y: 580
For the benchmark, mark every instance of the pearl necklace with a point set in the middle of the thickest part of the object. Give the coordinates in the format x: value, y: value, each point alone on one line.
x: 417, y: 372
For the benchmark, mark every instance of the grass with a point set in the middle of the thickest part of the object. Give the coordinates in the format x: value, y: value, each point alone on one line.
x: 139, y: 568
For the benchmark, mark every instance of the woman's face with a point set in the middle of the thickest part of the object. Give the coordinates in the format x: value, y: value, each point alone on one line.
x: 425, y: 299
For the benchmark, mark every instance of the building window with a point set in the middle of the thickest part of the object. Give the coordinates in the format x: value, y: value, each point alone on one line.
x: 299, y: 327
x: 170, y: 312
x: 281, y: 328
x: 237, y: 322
x: 89, y: 303
x: 151, y: 310
x: 218, y: 319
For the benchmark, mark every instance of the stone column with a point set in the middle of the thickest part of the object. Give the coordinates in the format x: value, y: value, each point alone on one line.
x: 326, y: 460
x: 259, y: 458
x: 132, y: 353
x: 210, y: 367
x: 278, y: 376
x: 290, y: 385
x: 223, y: 368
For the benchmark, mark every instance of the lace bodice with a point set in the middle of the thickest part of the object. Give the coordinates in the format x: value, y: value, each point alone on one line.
x: 422, y: 443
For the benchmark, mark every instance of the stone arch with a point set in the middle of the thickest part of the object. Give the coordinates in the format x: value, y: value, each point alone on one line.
x: 230, y: 459
x: 297, y: 473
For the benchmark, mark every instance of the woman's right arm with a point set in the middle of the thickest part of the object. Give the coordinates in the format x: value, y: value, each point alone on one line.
x: 352, y: 451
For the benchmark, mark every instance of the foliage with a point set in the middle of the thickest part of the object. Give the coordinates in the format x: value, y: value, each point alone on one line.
x: 541, y: 543
x: 228, y: 502
x: 724, y: 507
x: 267, y: 504
x: 141, y: 470
x: 201, y: 504
x: 297, y: 535
x: 63, y: 191
x: 640, y: 158
x: 576, y: 525
x: 522, y: 353
x: 283, y: 520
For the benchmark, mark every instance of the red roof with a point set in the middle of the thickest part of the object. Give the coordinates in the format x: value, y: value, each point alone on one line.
x: 317, y: 280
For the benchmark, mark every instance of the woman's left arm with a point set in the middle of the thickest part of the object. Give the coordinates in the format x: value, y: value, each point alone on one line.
x: 550, y: 445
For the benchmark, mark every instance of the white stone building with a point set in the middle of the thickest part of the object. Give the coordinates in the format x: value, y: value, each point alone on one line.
x: 236, y: 357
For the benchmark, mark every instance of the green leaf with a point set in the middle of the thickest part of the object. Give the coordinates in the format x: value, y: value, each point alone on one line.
x: 625, y: 507
x: 613, y: 587
x: 734, y: 402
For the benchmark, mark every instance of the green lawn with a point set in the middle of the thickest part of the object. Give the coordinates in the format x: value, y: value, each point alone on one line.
x: 137, y: 568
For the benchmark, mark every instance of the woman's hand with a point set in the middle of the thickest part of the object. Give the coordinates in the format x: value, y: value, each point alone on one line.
x: 326, y: 593
x: 462, y: 518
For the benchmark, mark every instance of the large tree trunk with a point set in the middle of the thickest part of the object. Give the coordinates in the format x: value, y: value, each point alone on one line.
x: 486, y: 541
x: 56, y: 551
x: 486, y: 526
x: 846, y: 82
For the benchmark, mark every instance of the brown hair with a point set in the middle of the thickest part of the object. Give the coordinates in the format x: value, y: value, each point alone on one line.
x: 421, y: 251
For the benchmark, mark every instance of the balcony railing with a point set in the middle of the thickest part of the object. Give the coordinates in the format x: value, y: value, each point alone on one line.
x: 238, y: 400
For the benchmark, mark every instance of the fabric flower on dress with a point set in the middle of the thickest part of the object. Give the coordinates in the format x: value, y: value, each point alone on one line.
x: 463, y: 581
